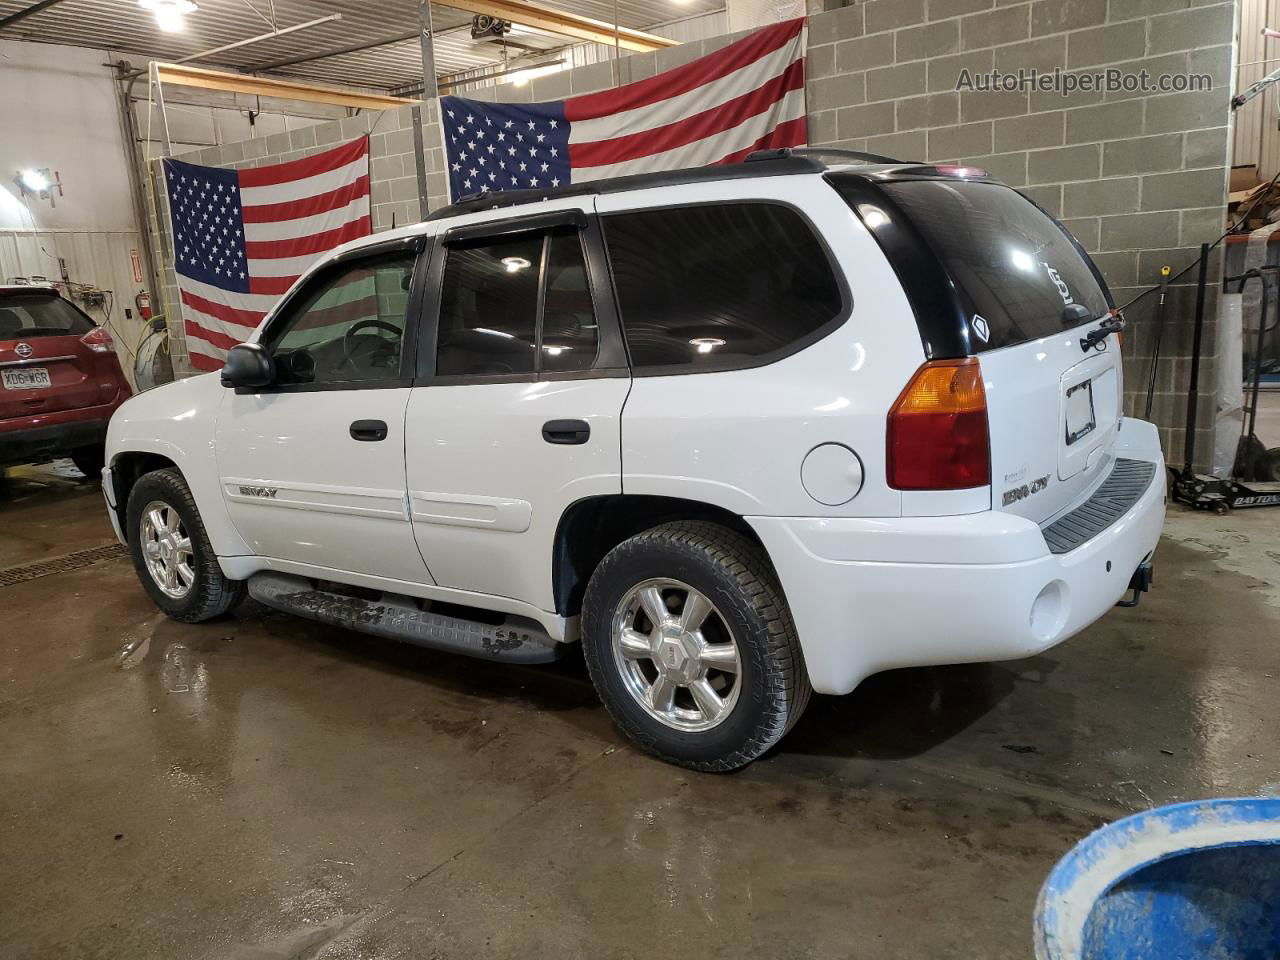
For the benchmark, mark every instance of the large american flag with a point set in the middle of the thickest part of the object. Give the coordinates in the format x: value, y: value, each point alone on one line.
x: 242, y: 237
x: 717, y: 109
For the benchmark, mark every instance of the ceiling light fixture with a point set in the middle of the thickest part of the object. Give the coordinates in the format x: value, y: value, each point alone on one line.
x: 515, y: 264
x: 169, y: 14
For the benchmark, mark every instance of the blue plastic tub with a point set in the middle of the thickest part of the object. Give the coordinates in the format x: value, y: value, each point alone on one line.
x: 1193, y: 880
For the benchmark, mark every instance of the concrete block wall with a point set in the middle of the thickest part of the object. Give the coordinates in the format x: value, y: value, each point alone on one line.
x: 1140, y: 179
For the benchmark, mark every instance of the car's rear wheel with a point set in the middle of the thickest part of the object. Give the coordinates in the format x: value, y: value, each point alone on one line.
x: 90, y: 460
x: 691, y: 646
x: 171, y: 550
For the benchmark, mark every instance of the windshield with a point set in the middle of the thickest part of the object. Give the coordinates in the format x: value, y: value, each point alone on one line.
x: 1018, y: 270
x: 38, y: 314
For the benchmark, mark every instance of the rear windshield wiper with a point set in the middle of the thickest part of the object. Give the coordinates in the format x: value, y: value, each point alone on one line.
x: 1113, y: 324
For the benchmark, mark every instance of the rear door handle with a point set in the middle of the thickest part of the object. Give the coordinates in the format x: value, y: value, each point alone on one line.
x: 369, y: 430
x: 566, y: 431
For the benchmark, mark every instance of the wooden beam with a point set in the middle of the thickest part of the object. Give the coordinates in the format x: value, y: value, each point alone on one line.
x: 186, y: 76
x: 558, y: 21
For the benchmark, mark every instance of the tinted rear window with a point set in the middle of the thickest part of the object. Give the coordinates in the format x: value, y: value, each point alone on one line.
x: 27, y: 315
x: 719, y: 286
x: 1013, y: 264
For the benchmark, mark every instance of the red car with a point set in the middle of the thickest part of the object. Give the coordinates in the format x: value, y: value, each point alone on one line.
x: 59, y: 380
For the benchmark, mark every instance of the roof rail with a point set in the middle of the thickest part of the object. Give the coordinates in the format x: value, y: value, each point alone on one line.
x: 779, y: 153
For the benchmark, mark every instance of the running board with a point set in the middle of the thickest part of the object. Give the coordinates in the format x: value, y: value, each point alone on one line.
x: 515, y: 640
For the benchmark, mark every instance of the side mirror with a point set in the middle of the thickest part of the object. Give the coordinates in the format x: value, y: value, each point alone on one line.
x: 248, y: 365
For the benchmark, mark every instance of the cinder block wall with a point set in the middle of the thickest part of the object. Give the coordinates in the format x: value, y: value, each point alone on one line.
x: 1140, y: 179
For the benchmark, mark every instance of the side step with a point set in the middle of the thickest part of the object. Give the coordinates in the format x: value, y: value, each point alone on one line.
x: 516, y: 640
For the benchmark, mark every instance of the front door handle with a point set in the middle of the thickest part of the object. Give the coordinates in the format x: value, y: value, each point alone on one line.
x: 369, y: 430
x: 566, y: 431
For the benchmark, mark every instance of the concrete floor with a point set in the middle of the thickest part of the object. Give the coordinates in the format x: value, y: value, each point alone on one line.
x: 269, y: 788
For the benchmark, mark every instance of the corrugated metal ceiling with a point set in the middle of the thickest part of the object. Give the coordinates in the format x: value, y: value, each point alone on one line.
x: 124, y: 27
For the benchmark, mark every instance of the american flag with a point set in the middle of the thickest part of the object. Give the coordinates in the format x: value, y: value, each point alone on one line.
x: 242, y: 237
x: 717, y: 109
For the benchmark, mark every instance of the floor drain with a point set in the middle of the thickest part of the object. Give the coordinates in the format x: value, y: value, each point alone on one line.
x: 12, y: 576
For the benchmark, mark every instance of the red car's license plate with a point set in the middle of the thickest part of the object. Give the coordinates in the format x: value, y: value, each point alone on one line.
x: 28, y: 379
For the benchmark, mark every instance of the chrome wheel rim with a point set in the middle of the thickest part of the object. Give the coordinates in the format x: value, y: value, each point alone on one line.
x: 166, y: 548
x: 677, y: 655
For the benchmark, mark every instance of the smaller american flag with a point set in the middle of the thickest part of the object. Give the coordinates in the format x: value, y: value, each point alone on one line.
x: 717, y: 109
x: 242, y: 237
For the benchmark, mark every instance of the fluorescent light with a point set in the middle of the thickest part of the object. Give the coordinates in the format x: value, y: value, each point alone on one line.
x: 34, y: 180
x: 515, y: 264
x: 521, y: 77
x: 169, y: 14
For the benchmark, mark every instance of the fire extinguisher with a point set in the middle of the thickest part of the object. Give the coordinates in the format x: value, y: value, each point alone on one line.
x: 143, y: 303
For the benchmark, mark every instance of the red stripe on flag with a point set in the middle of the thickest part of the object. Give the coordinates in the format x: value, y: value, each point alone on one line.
x: 209, y: 336
x: 682, y: 79
x: 312, y: 243
x: 306, y: 167
x: 270, y: 286
x: 296, y: 209
x: 342, y: 313
x: 243, y: 318
x: 689, y: 129
x: 207, y: 364
x: 793, y: 133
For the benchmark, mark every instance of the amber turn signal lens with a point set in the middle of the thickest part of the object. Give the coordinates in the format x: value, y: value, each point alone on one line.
x: 937, y: 429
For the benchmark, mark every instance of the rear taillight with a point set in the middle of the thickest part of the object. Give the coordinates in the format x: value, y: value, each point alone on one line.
x: 937, y: 436
x: 98, y: 340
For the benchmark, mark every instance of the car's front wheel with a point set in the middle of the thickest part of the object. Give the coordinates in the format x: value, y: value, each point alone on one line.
x: 171, y: 551
x: 691, y: 646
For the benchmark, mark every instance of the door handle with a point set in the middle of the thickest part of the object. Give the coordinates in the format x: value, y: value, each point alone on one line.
x: 369, y: 430
x: 566, y: 431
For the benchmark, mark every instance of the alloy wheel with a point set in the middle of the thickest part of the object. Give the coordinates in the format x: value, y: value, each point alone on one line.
x: 166, y: 548
x: 677, y: 655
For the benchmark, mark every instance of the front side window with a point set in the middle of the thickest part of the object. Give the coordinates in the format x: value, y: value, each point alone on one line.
x: 350, y: 328
x: 493, y: 294
x: 719, y: 285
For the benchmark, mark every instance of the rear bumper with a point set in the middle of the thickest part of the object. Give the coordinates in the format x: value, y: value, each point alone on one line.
x: 872, y: 595
x: 47, y: 441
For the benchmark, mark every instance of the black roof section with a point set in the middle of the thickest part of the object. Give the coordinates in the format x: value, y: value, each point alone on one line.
x: 783, y: 162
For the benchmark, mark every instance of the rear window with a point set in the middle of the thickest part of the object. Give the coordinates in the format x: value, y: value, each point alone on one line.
x: 24, y: 316
x: 1015, y: 266
x: 719, y: 285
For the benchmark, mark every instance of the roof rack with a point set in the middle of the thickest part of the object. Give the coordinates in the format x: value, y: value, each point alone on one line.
x: 813, y: 153
x: 785, y: 163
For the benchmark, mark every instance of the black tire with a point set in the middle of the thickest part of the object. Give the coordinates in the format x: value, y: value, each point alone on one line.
x: 90, y: 461
x: 736, y: 576
x: 210, y: 593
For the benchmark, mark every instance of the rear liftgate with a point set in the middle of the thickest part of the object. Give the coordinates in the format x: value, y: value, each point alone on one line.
x: 515, y: 640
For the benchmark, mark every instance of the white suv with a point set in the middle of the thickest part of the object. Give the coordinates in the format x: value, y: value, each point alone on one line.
x: 745, y: 432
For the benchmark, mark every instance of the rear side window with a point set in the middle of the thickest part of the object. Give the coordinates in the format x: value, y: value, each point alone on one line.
x: 719, y: 286
x: 489, y: 307
x: 1017, y: 269
x: 28, y: 315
